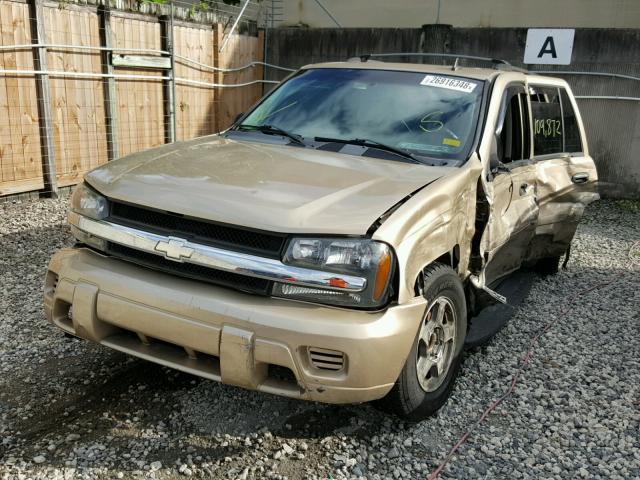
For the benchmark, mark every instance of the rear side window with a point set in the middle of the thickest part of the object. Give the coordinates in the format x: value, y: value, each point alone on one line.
x: 547, y: 120
x: 555, y: 128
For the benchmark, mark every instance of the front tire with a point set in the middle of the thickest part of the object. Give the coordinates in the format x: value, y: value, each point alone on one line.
x: 432, y: 366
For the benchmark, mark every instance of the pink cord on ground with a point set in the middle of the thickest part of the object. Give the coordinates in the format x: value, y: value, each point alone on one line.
x: 523, y: 363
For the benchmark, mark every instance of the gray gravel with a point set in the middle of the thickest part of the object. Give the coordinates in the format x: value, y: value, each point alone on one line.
x: 72, y: 409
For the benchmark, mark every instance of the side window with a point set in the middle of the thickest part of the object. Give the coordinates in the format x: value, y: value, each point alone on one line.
x: 546, y: 111
x: 514, y: 138
x: 572, y: 139
x: 555, y: 128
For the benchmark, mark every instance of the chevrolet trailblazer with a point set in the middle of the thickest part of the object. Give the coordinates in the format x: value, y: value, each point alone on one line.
x: 333, y: 244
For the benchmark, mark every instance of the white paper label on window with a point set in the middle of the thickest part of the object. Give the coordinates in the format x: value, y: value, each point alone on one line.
x: 458, y: 84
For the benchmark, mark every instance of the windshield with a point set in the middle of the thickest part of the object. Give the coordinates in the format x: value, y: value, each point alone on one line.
x: 425, y: 114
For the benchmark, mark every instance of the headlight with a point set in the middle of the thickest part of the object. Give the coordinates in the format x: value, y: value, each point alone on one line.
x: 365, y: 258
x: 86, y: 201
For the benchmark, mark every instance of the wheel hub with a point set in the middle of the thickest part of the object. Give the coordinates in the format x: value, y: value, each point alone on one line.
x: 436, y: 344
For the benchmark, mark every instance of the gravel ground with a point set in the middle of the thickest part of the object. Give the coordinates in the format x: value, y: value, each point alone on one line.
x: 72, y: 409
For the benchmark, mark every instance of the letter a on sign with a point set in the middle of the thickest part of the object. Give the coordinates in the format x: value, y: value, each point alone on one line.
x: 548, y: 48
x: 551, y: 46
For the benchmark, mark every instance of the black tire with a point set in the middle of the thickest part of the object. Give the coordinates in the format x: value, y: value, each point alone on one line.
x: 548, y: 266
x: 407, y: 398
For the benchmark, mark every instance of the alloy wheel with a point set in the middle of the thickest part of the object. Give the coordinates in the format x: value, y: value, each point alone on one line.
x: 436, y: 344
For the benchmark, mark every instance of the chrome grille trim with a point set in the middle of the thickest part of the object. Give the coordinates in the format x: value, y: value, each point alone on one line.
x: 224, y: 236
x: 180, y: 250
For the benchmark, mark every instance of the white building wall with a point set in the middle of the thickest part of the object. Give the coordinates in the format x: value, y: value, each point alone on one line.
x: 463, y: 13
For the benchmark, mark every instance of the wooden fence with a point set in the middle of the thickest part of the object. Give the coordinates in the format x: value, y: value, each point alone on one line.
x: 70, y: 123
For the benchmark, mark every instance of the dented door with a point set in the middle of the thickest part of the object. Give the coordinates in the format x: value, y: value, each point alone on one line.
x: 512, y: 223
x: 566, y: 174
x: 511, y: 189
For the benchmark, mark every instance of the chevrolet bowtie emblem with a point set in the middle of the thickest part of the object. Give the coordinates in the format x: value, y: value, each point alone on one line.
x: 174, y: 249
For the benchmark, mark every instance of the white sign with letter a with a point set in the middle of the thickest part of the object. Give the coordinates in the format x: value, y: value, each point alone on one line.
x: 550, y: 46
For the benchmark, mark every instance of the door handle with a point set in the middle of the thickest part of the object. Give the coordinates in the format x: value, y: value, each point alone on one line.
x: 580, y: 177
x: 523, y: 189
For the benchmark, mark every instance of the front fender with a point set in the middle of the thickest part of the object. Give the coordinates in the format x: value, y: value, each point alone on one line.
x: 432, y: 223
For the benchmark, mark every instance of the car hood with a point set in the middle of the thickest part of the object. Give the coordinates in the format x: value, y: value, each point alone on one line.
x: 271, y: 187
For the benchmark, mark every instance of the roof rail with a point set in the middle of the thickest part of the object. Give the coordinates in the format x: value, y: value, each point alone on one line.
x: 496, y: 63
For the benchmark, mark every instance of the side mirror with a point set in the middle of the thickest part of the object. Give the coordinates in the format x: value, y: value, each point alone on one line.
x: 238, y: 117
x: 495, y: 154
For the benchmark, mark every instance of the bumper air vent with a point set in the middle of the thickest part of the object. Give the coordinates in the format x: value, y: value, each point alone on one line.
x: 323, y: 359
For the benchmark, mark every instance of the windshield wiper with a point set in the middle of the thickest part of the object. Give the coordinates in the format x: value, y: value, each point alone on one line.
x: 365, y: 142
x: 272, y: 130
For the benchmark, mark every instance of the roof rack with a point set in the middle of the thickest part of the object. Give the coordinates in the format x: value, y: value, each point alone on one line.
x: 496, y: 63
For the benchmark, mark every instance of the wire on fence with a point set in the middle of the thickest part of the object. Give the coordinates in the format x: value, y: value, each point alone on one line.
x: 146, y: 51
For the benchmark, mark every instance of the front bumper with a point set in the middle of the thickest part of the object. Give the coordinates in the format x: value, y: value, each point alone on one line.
x: 232, y: 337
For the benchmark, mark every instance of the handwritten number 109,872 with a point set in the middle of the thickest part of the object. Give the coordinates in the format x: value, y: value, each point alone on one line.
x: 547, y: 127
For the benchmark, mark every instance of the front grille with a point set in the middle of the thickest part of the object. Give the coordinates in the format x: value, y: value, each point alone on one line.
x: 266, y: 244
x: 189, y: 270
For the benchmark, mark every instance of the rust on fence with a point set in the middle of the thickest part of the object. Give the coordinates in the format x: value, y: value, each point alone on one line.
x: 80, y: 105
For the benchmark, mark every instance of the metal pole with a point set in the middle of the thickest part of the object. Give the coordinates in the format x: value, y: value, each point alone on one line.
x: 61, y: 46
x: 233, y: 27
x: 328, y: 13
x: 137, y: 50
x: 606, y: 97
x: 44, y: 101
x: 166, y: 25
x: 109, y: 84
x: 144, y: 78
x: 173, y: 78
x: 595, y: 74
x: 265, y: 53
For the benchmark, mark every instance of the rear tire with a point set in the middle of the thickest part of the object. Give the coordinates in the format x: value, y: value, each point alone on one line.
x: 432, y: 366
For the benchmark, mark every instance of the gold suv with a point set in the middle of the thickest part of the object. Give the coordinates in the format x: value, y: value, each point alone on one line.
x: 332, y: 243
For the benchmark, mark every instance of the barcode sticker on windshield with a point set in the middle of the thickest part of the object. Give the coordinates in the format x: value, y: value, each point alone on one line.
x: 448, y: 82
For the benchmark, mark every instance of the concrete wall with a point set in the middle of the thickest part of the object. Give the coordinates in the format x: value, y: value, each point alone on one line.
x: 613, y: 126
x: 463, y: 13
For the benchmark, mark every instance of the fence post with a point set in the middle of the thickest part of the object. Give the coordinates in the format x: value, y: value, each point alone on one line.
x: 44, y: 99
x: 435, y: 39
x: 166, y: 33
x: 109, y: 84
x: 219, y: 76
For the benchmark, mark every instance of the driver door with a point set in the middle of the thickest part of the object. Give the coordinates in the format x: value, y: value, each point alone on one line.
x: 513, y: 209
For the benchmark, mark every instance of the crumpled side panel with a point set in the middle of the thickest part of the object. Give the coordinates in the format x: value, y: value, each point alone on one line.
x: 433, y: 222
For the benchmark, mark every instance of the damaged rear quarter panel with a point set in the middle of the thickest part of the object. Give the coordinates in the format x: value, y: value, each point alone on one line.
x: 431, y: 223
